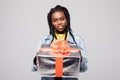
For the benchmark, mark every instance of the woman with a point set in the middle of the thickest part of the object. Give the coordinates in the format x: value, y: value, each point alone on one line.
x: 60, y: 29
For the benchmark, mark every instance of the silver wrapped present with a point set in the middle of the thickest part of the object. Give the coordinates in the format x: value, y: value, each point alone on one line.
x: 58, y: 65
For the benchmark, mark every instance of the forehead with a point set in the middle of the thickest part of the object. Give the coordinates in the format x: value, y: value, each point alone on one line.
x: 58, y: 14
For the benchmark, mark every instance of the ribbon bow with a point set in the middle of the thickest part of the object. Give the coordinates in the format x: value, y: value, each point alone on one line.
x: 60, y: 47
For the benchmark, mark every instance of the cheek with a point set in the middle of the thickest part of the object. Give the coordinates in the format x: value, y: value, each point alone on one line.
x: 65, y: 23
x: 54, y: 24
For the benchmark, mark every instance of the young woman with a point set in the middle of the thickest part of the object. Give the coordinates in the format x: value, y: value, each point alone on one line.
x: 60, y: 29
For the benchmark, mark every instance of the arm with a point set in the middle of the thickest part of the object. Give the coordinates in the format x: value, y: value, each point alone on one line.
x: 34, y: 63
x: 81, y: 46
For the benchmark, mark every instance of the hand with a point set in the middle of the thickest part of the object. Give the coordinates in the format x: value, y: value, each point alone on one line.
x: 37, y: 63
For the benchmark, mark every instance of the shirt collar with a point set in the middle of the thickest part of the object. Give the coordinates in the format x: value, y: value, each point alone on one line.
x: 69, y: 38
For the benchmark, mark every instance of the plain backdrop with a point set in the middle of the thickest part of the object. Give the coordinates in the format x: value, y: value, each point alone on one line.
x: 23, y: 22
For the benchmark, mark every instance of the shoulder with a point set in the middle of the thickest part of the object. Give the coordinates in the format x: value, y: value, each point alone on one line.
x: 80, y: 41
x: 45, y: 39
x: 78, y: 37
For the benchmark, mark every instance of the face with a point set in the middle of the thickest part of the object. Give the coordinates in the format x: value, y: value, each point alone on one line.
x: 59, y: 21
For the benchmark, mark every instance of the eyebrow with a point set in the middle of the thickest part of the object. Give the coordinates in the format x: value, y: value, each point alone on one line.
x: 59, y: 17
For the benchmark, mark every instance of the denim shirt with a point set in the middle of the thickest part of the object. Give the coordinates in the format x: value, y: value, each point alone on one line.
x: 81, y: 45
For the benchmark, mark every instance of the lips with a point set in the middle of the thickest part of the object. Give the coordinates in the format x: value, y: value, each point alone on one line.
x: 60, y: 27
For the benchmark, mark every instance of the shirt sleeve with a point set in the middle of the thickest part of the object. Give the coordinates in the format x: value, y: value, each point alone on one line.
x: 34, y: 68
x: 81, y: 46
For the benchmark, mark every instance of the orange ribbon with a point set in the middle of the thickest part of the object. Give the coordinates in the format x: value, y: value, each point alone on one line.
x: 60, y: 47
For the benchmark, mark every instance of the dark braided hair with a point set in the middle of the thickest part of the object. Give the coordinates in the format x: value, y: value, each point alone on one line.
x: 67, y: 15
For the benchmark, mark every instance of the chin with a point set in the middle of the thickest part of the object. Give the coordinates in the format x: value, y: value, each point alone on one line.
x: 61, y: 32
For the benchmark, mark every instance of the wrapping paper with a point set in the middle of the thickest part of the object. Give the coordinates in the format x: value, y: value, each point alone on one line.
x: 59, y: 60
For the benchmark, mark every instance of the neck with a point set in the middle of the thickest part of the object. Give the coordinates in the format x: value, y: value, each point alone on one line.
x: 60, y: 32
x: 61, y: 35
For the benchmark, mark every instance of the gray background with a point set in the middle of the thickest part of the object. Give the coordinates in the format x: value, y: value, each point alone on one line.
x: 23, y: 22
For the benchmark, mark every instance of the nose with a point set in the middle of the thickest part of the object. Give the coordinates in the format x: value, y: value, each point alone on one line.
x: 59, y: 22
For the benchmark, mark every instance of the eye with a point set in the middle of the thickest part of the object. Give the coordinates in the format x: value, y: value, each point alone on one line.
x: 54, y: 20
x: 62, y: 18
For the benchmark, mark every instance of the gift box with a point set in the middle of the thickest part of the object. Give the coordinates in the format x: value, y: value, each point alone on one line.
x: 54, y: 62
